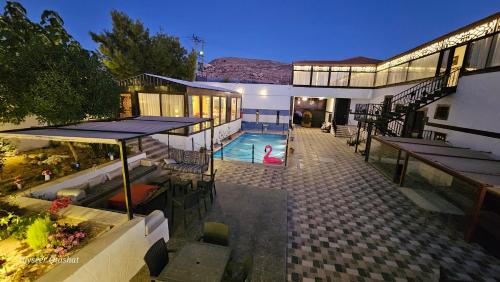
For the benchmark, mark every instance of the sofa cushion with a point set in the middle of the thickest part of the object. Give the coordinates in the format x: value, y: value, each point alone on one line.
x: 74, y: 193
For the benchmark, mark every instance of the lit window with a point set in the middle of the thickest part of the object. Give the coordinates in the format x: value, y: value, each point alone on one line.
x: 223, y: 110
x: 205, y: 106
x: 194, y: 106
x: 320, y: 76
x: 172, y: 105
x: 216, y: 110
x: 233, y: 109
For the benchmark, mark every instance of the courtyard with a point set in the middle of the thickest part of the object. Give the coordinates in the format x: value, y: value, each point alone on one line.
x: 347, y: 222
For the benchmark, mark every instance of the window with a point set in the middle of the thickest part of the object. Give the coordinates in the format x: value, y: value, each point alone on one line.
x: 442, y: 112
x: 149, y: 104
x: 216, y: 110
x: 440, y: 136
x: 302, y: 75
x: 339, y: 78
x: 397, y: 74
x: 444, y: 61
x: 194, y: 106
x: 223, y: 112
x: 362, y: 79
x: 494, y: 59
x: 233, y: 109
x: 277, y: 117
x: 257, y: 116
x: 238, y: 108
x: 172, y: 105
x: 205, y: 106
x: 320, y: 76
x: 381, y: 77
x: 423, y: 68
x: 478, y: 54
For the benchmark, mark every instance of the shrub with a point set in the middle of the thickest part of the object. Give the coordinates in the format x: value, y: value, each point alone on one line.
x: 65, y: 238
x: 37, y: 233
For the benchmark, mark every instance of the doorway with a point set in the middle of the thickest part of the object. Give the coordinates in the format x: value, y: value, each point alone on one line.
x: 341, y: 112
x: 456, y: 64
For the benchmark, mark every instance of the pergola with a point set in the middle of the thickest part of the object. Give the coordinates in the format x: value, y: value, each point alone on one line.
x: 480, y: 170
x: 113, y: 131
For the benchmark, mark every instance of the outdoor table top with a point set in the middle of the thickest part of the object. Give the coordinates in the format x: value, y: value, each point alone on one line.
x: 197, y: 262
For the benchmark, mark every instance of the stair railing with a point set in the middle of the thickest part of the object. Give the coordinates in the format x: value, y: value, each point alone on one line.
x: 390, y: 122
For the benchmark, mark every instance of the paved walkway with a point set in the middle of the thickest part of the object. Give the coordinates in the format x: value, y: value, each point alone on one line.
x: 346, y: 222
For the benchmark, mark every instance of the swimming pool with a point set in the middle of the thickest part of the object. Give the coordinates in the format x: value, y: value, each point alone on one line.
x: 241, y: 148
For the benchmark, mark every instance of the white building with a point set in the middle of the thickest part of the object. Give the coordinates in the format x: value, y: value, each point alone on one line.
x: 468, y: 116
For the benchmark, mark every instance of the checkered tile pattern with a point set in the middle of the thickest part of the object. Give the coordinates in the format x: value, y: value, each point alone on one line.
x: 346, y: 222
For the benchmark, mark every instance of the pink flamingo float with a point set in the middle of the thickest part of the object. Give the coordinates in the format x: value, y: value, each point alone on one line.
x: 271, y: 160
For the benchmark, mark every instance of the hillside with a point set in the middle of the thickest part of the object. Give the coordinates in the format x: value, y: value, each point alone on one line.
x: 248, y: 70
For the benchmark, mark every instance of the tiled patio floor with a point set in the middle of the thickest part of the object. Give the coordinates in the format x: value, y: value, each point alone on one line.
x: 346, y: 222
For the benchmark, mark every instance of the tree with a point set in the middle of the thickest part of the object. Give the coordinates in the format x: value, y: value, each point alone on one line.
x: 46, y: 73
x: 129, y: 49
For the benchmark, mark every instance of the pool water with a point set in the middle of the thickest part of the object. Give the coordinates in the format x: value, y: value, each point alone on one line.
x: 241, y: 148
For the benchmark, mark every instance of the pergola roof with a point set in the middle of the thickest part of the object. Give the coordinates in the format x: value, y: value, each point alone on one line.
x: 478, y: 167
x: 105, y: 131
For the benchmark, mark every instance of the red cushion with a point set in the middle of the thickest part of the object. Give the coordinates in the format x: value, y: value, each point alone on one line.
x: 139, y: 193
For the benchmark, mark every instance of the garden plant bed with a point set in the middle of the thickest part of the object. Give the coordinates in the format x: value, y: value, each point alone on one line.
x: 21, y: 261
x: 57, y: 159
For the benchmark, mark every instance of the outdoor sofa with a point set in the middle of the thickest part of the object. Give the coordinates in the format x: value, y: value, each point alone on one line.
x: 187, y: 161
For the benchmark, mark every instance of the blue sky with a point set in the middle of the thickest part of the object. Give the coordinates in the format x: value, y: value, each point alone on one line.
x: 278, y: 29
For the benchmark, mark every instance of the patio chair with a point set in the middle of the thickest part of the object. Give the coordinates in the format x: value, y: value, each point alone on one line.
x: 156, y: 258
x: 215, y: 233
x: 239, y: 272
x: 207, y: 187
x: 189, y: 202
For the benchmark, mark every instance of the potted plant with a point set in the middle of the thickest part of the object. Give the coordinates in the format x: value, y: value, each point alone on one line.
x: 19, y: 182
x: 47, y: 173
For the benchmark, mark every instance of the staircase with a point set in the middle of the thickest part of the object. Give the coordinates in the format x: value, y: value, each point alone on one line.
x: 154, y: 149
x: 344, y: 131
x: 390, y: 118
